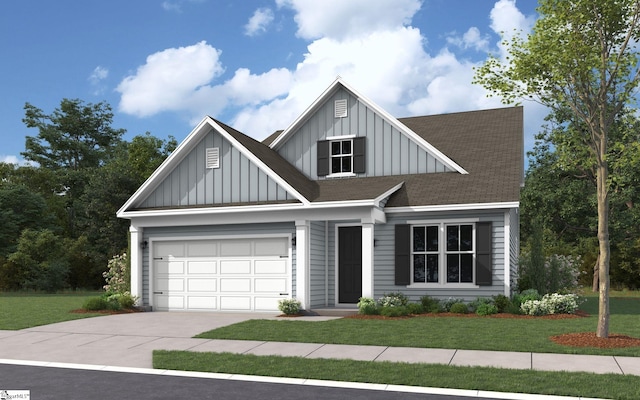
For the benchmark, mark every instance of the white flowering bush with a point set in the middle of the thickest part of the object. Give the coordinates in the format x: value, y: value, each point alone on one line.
x: 553, y: 303
x: 393, y: 300
x: 117, y: 275
x: 289, y: 306
x: 367, y: 306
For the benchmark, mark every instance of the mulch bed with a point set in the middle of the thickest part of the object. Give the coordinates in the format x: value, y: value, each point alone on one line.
x: 106, y: 312
x: 583, y: 339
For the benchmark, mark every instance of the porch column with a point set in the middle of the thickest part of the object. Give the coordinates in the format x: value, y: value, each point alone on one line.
x: 136, y: 263
x: 367, y: 259
x: 302, y: 263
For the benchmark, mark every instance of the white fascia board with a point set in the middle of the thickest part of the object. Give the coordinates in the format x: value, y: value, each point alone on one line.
x: 454, y: 207
x: 302, y: 117
x: 167, y: 166
x: 388, y: 193
x: 264, y: 167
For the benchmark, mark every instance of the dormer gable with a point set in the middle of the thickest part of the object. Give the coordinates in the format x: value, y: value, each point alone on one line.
x: 344, y: 134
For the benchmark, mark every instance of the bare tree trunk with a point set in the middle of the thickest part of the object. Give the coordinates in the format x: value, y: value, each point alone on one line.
x: 596, y: 269
x: 603, y: 239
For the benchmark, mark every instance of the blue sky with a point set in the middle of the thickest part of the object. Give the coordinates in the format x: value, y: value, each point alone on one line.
x: 256, y: 65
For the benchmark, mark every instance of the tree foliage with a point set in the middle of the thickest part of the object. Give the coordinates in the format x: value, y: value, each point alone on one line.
x: 580, y: 58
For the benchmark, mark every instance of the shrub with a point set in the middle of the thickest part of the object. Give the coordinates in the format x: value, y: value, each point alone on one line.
x: 474, y: 305
x: 459, y: 308
x: 117, y: 275
x: 501, y: 302
x: 95, y: 304
x: 394, y: 311
x: 368, y: 306
x: 415, y: 308
x: 430, y: 304
x: 529, y: 294
x: 289, y: 306
x: 487, y: 309
x: 395, y: 299
x: 125, y: 300
x: 551, y: 304
x: 446, y: 304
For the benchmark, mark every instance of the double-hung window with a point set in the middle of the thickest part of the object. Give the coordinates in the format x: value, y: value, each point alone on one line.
x: 341, y: 156
x: 442, y: 253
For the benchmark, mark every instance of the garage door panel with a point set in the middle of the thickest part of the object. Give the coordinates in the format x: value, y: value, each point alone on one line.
x: 235, y: 248
x: 276, y: 286
x: 202, y: 267
x: 239, y: 285
x: 202, y: 248
x: 166, y: 249
x: 235, y: 303
x: 170, y: 302
x: 265, y: 303
x: 169, y: 267
x: 202, y: 285
x: 202, y: 303
x: 234, y: 267
x: 170, y: 284
x: 271, y: 266
x: 271, y: 247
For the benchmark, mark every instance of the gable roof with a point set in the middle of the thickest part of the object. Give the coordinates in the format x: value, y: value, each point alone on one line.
x: 340, y: 83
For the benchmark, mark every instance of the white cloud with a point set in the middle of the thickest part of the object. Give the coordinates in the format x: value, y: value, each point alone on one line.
x: 99, y: 74
x: 375, y: 49
x: 9, y: 159
x: 339, y: 19
x: 507, y: 20
x: 168, y: 79
x: 176, y: 5
x: 259, y: 22
x: 471, y: 39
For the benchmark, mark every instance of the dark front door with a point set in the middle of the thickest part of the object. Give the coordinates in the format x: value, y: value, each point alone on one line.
x: 349, y: 264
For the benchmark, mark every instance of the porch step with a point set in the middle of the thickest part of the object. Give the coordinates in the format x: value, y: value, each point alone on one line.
x: 333, y: 312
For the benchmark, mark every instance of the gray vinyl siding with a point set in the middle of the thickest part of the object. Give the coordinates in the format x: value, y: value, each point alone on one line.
x: 384, y: 259
x: 244, y: 230
x: 318, y: 266
x: 388, y: 151
x: 237, y: 180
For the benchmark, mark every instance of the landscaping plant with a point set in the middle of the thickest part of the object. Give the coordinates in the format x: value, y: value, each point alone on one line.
x: 289, y: 306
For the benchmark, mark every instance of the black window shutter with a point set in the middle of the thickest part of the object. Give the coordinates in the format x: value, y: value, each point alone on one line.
x: 403, y: 255
x: 484, y: 259
x: 359, y: 145
x: 323, y: 158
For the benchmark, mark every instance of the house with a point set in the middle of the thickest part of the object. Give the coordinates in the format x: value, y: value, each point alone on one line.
x: 346, y: 202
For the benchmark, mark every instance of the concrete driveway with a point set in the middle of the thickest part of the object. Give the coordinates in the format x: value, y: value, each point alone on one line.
x: 125, y: 340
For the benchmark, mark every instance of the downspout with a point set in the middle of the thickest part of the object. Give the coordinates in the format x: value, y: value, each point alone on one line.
x: 326, y: 263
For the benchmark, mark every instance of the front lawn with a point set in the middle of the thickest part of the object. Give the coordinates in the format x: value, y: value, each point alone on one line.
x: 427, y: 375
x: 21, y: 310
x: 481, y: 333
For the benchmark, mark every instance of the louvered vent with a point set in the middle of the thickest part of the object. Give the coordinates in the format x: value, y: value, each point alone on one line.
x: 341, y: 108
x: 213, y: 157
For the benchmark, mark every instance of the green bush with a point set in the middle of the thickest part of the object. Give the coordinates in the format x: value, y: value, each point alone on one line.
x: 430, y: 304
x: 95, y: 304
x: 459, y: 308
x: 553, y: 303
x: 446, y: 304
x: 394, y: 311
x: 501, y: 302
x: 486, y: 309
x: 125, y: 300
x: 289, y: 306
x: 368, y: 306
x: 415, y: 308
x: 473, y: 306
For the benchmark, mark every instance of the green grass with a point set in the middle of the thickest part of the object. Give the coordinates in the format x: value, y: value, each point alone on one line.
x: 20, y: 310
x: 428, y: 375
x: 483, y: 333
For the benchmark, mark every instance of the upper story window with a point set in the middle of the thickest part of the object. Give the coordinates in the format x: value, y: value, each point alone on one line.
x: 341, y: 156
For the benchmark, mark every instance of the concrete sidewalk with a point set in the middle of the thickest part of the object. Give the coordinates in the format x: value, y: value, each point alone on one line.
x: 128, y: 340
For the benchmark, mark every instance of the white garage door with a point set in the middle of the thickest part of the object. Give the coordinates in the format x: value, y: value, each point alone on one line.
x: 221, y: 275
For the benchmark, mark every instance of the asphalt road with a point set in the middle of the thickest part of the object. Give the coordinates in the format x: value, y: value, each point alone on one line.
x: 70, y: 384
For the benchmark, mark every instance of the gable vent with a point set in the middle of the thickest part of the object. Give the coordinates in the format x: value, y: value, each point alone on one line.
x: 213, y: 157
x: 341, y: 108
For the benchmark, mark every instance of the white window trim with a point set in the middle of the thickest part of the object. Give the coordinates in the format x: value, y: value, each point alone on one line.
x: 332, y: 156
x: 442, y: 266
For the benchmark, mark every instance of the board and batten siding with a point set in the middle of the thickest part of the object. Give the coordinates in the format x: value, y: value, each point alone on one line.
x: 388, y: 151
x: 237, y: 179
x: 384, y: 265
x: 217, y: 231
